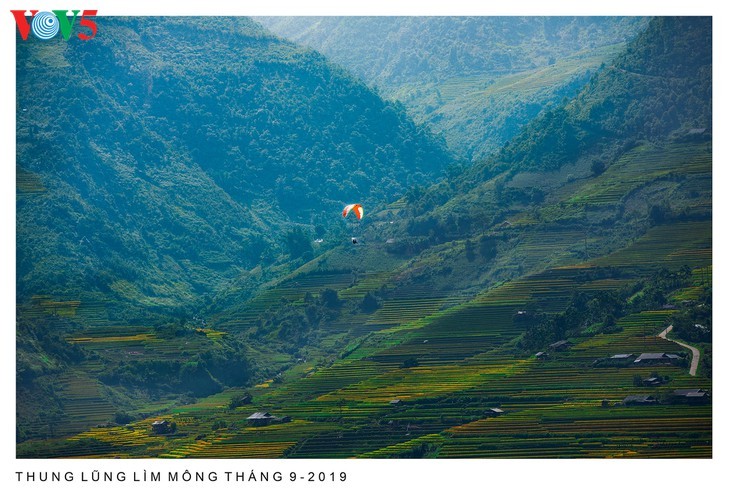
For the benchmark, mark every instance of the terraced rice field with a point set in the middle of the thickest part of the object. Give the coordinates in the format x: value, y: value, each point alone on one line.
x: 141, y: 343
x: 401, y: 310
x: 589, y: 431
x: 624, y: 176
x: 671, y: 246
x: 28, y: 183
x: 84, y: 404
x: 424, y: 368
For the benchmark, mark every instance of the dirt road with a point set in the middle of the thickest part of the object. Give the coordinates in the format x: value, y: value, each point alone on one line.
x: 695, y: 351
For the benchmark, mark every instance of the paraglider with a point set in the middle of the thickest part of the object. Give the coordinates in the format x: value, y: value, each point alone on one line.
x: 355, y: 208
x: 358, y: 211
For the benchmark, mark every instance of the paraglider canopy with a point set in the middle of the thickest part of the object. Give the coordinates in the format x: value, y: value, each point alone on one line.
x: 356, y: 208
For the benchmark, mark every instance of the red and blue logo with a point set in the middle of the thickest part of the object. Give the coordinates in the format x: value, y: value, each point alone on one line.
x: 46, y: 25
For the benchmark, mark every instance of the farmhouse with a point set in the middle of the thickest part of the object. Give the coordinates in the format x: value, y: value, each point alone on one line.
x: 656, y: 358
x: 162, y: 427
x: 653, y: 381
x: 640, y: 399
x: 622, y: 356
x: 395, y: 402
x: 619, y: 360
x: 265, y: 418
x: 493, y: 412
x: 691, y: 395
x: 560, y: 345
x: 541, y: 355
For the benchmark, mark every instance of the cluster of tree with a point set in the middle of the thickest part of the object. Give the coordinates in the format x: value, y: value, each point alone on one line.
x: 42, y: 348
x: 294, y: 326
x: 599, y: 311
x: 207, y: 373
x: 694, y: 323
x: 660, y: 84
x: 420, y: 61
x: 237, y: 401
x: 42, y: 354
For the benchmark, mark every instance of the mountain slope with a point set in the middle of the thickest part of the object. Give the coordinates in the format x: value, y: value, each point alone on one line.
x: 193, y: 144
x: 475, y: 80
x: 158, y: 163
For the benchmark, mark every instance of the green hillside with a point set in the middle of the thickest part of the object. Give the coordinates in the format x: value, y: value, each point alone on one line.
x: 474, y: 80
x: 189, y: 167
x: 156, y: 166
x: 486, y: 315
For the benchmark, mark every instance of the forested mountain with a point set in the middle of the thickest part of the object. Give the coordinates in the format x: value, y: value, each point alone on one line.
x: 197, y: 146
x: 659, y: 89
x: 476, y: 80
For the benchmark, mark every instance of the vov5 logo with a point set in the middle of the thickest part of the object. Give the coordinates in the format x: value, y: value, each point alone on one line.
x: 46, y: 25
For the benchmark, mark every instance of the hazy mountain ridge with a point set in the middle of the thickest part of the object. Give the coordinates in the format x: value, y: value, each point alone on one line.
x: 390, y: 50
x: 449, y: 71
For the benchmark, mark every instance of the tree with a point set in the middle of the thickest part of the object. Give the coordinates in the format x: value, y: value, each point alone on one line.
x: 240, y: 401
x: 409, y: 362
x: 469, y: 250
x: 122, y: 418
x: 487, y: 247
x: 597, y: 167
x: 297, y: 243
x: 369, y: 303
x: 330, y: 299
x: 657, y: 214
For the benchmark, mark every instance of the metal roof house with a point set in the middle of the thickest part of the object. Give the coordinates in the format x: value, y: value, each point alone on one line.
x: 653, y: 381
x: 560, y: 345
x: 655, y: 358
x: 622, y: 356
x: 161, y: 426
x: 691, y: 395
x: 640, y: 399
x: 621, y: 359
x: 265, y: 418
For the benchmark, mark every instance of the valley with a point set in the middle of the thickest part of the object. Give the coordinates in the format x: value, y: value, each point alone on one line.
x: 505, y: 306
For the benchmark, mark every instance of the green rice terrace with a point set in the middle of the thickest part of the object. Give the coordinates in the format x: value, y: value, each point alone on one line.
x: 452, y: 382
x: 451, y: 357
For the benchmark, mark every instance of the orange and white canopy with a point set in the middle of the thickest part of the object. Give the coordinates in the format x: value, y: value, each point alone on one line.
x: 356, y: 208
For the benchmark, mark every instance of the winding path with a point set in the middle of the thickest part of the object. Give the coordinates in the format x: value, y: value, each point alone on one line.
x: 695, y: 351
